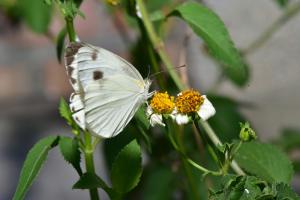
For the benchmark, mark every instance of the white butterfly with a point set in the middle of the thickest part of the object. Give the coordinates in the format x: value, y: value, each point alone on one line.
x: 107, y: 89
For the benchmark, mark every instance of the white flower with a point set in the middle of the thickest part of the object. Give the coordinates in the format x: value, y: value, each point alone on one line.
x: 191, y: 101
x: 180, y: 118
x: 154, y: 118
x: 206, y: 110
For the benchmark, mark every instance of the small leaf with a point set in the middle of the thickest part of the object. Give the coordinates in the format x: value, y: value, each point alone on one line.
x: 33, y: 163
x: 207, y: 25
x: 89, y: 181
x: 69, y: 150
x: 127, y: 168
x: 36, y: 13
x: 60, y: 44
x: 65, y: 111
x: 265, y: 161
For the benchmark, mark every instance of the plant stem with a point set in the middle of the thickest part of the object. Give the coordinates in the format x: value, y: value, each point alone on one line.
x: 216, y: 141
x: 289, y: 12
x: 70, y: 29
x: 187, y: 168
x: 158, y: 44
x: 89, y: 162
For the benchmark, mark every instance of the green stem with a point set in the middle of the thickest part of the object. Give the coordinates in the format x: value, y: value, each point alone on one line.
x: 208, y: 144
x: 216, y: 141
x: 89, y: 163
x: 158, y: 44
x: 289, y: 12
x: 70, y: 29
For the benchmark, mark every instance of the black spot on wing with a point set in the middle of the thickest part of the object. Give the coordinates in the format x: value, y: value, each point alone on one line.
x: 97, y: 75
x: 73, y: 80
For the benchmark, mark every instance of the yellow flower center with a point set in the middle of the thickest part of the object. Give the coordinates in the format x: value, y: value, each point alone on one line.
x: 189, y: 101
x: 162, y: 103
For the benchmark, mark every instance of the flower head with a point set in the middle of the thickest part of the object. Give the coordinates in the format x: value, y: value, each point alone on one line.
x: 192, y: 102
x: 161, y: 103
x: 189, y: 101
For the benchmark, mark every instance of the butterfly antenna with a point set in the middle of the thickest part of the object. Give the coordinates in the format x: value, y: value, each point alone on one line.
x: 149, y: 71
x: 164, y: 71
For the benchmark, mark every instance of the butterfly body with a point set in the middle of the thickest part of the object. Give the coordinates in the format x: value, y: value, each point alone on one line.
x: 107, y: 89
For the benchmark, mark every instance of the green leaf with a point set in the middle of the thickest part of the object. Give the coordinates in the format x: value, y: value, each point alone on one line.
x: 159, y: 184
x: 36, y: 14
x: 285, y: 192
x: 33, y: 163
x: 265, y: 161
x: 127, y: 168
x: 70, y: 151
x: 207, y: 25
x: 282, y: 3
x: 60, y: 44
x: 89, y: 181
x: 65, y: 111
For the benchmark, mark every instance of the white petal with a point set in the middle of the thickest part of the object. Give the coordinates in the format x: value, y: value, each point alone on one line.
x: 181, y: 119
x: 206, y: 110
x: 155, y: 119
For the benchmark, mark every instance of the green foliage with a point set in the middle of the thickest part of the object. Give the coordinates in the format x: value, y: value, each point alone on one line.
x: 207, y: 25
x: 265, y: 161
x: 89, y: 181
x: 282, y: 3
x: 70, y: 150
x: 159, y: 184
x: 252, y: 188
x: 65, y: 111
x: 60, y: 44
x: 36, y: 14
x: 33, y: 163
x: 247, y: 133
x: 127, y: 168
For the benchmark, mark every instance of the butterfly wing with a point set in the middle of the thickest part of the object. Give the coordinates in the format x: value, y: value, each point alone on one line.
x: 111, y: 103
x: 108, y: 89
x: 86, y: 63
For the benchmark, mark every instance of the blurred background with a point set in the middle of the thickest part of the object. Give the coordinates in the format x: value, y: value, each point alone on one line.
x: 32, y: 80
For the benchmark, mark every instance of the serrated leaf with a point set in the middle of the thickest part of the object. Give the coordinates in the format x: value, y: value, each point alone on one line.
x: 207, y: 25
x: 89, y: 181
x: 265, y: 161
x: 70, y: 150
x: 60, y: 44
x: 36, y: 14
x: 285, y: 192
x: 33, y: 163
x: 65, y: 111
x: 127, y: 168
